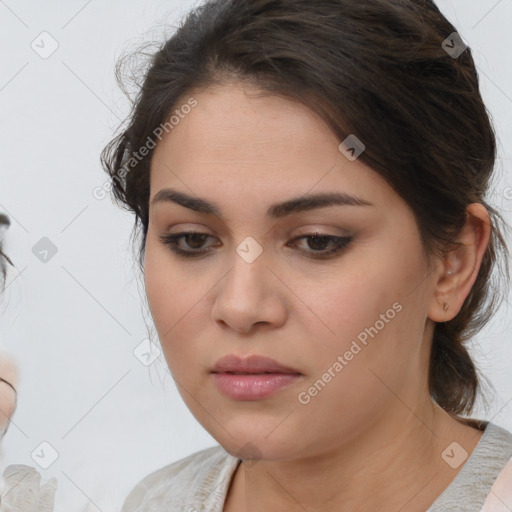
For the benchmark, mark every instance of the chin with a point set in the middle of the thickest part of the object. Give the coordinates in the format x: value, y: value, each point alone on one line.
x: 252, y: 443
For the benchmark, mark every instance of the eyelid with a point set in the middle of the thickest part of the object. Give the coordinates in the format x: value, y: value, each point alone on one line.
x: 304, y: 231
x: 340, y: 243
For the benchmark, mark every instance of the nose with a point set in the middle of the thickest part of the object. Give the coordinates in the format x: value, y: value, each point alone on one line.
x: 250, y: 294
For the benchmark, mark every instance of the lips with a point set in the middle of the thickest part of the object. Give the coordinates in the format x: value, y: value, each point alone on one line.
x: 250, y: 365
x: 252, y: 378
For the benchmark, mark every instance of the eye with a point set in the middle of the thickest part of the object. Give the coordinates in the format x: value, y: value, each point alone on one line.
x: 317, y: 241
x: 193, y: 240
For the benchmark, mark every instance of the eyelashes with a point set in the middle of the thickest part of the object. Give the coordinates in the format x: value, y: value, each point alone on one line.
x: 338, y: 244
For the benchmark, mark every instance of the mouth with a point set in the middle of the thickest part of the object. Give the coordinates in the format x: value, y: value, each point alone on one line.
x: 253, y: 378
x: 253, y: 386
x: 251, y: 365
x: 259, y: 373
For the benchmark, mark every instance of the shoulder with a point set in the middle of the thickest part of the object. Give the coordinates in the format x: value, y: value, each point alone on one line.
x: 480, y: 472
x: 183, y: 481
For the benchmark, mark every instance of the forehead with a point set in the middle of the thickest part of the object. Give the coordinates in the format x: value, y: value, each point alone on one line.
x: 246, y: 145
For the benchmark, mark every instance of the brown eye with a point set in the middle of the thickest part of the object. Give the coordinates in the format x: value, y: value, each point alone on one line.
x: 194, y: 242
x: 318, y: 243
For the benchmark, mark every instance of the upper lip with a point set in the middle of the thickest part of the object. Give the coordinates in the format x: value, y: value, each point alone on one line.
x: 251, y: 364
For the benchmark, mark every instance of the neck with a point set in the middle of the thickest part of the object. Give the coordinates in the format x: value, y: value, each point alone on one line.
x: 393, y: 465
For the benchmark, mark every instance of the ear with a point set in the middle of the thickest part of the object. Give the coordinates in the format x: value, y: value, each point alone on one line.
x: 460, y: 267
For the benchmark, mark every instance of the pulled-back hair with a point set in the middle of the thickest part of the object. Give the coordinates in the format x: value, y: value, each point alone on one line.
x: 378, y: 69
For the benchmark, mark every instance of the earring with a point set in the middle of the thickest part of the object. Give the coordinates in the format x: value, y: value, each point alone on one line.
x: 445, y: 307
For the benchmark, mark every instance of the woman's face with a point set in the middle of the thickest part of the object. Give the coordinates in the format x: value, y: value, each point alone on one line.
x: 354, y: 323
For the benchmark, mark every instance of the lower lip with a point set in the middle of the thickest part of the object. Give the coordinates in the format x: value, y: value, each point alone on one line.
x: 253, y: 387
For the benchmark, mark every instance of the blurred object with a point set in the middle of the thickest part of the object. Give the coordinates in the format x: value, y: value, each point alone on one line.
x: 23, y: 491
x: 8, y: 398
x: 4, y: 225
x: 19, y: 485
x: 105, y: 496
x: 8, y: 385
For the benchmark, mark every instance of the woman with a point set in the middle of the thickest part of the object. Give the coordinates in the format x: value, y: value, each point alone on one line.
x: 308, y: 181
x: 20, y: 489
x: 8, y: 368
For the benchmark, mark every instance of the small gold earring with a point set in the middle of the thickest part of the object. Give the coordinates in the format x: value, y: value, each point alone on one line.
x: 445, y: 307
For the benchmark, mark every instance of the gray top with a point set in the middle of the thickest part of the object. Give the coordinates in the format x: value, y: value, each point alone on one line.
x: 199, y: 482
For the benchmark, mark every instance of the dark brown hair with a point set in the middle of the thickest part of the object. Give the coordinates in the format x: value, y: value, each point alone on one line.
x: 375, y: 68
x: 4, y: 224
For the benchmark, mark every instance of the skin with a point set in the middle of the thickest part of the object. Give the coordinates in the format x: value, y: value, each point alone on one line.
x: 372, y: 438
x: 8, y: 372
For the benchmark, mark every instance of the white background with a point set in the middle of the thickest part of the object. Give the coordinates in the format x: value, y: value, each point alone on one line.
x: 73, y: 322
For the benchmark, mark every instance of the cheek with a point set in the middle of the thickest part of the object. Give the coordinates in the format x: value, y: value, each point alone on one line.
x: 157, y: 285
x: 176, y: 301
x: 165, y: 289
x: 348, y: 302
x: 362, y: 315
x: 361, y: 330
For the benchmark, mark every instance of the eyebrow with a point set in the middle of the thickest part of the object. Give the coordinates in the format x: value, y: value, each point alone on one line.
x: 275, y: 211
